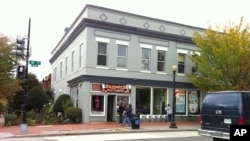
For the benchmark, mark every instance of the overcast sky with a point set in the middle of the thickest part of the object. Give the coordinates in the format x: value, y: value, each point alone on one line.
x: 50, y: 17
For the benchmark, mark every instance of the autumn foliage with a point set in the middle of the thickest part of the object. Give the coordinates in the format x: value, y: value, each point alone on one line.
x: 223, y: 62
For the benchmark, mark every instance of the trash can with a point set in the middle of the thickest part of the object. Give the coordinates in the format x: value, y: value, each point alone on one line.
x: 135, y: 121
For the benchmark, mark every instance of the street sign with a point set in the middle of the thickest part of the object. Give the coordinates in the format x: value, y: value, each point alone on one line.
x: 34, y: 63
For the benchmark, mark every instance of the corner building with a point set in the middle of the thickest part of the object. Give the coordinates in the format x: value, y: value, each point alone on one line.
x: 107, y: 56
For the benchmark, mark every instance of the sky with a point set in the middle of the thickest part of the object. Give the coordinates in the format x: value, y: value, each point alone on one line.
x: 50, y: 17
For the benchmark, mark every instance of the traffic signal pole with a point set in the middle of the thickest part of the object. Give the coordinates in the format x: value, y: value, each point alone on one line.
x: 24, y: 126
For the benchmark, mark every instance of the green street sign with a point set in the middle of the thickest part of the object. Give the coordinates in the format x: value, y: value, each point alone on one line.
x: 34, y: 63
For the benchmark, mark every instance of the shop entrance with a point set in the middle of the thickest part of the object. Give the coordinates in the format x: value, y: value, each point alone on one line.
x: 110, y: 108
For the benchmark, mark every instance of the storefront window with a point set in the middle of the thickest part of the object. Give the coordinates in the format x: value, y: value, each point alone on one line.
x: 160, y: 99
x: 143, y: 100
x: 122, y: 99
x: 181, y: 101
x: 97, y: 104
x: 193, y: 102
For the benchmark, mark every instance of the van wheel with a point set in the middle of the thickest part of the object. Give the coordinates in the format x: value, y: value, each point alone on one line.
x: 218, y: 139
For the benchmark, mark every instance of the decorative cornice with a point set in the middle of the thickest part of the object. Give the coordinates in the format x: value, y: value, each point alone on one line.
x: 132, y: 81
x: 118, y: 28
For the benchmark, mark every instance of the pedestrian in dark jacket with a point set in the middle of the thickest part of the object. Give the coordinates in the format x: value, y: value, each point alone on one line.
x: 127, y: 115
x: 120, y: 111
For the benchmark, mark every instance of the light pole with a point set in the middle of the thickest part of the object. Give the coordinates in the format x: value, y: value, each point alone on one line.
x: 173, y: 124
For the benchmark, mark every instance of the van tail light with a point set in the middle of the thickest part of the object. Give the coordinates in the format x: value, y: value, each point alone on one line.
x: 201, y: 118
x: 242, y: 121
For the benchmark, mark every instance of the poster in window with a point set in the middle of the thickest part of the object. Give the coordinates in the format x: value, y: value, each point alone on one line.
x: 181, y: 101
x: 193, y: 101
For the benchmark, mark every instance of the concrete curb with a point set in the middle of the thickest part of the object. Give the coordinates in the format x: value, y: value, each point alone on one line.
x: 91, y: 132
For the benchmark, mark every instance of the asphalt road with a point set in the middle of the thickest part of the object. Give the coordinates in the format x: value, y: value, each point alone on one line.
x: 147, y: 136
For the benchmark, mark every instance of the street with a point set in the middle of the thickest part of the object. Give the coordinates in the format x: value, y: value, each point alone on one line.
x: 147, y: 136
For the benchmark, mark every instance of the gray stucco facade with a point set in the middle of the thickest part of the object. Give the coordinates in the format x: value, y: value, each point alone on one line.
x: 96, y: 36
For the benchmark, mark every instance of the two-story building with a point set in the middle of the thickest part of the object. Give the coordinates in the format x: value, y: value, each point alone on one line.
x: 107, y: 56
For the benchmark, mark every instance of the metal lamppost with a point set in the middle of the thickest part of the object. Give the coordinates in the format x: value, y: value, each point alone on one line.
x: 173, y: 124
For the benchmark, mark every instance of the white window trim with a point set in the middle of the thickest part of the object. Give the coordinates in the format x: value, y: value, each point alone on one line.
x: 146, y: 46
x: 161, y: 48
x: 182, y: 51
x: 196, y: 53
x: 159, y: 72
x: 122, y: 43
x: 121, y: 69
x: 145, y: 71
x: 105, y: 40
x: 100, y: 67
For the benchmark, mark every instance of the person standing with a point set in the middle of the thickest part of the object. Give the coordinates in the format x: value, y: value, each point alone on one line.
x: 169, y: 112
x: 127, y: 115
x: 120, y: 111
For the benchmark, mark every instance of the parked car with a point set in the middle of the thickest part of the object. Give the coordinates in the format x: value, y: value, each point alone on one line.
x: 220, y: 110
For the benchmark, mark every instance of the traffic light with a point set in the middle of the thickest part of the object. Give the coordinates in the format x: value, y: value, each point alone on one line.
x: 20, y: 47
x: 21, y: 72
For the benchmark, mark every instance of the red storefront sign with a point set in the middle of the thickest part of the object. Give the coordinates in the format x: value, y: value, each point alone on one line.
x: 116, y: 88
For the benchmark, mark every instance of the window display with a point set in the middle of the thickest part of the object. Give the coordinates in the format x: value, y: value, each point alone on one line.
x: 97, y: 104
x: 193, y: 102
x: 181, y: 101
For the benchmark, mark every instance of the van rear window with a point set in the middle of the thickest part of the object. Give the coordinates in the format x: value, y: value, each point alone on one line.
x: 220, y: 100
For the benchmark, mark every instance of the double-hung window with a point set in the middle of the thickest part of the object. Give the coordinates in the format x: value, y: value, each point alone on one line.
x: 61, y: 65
x: 80, y: 55
x: 161, y: 59
x: 102, y: 49
x: 66, y: 66
x: 146, y: 57
x: 181, y: 60
x: 122, y: 54
x: 72, y: 61
x: 102, y: 54
x: 194, y: 64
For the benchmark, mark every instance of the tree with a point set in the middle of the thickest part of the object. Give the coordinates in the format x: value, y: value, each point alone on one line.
x: 15, y: 101
x: 36, y: 98
x: 33, y: 81
x: 58, y: 106
x: 8, y: 62
x: 223, y: 62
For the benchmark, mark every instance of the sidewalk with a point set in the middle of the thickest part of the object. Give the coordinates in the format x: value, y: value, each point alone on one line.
x: 92, y: 128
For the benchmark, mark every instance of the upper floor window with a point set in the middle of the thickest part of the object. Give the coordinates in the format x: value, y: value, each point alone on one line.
x: 66, y: 65
x: 54, y: 73
x: 146, y: 57
x: 102, y: 54
x: 80, y: 55
x: 194, y: 65
x: 122, y: 54
x: 72, y: 61
x: 181, y: 60
x: 60, y: 69
x: 161, y: 58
